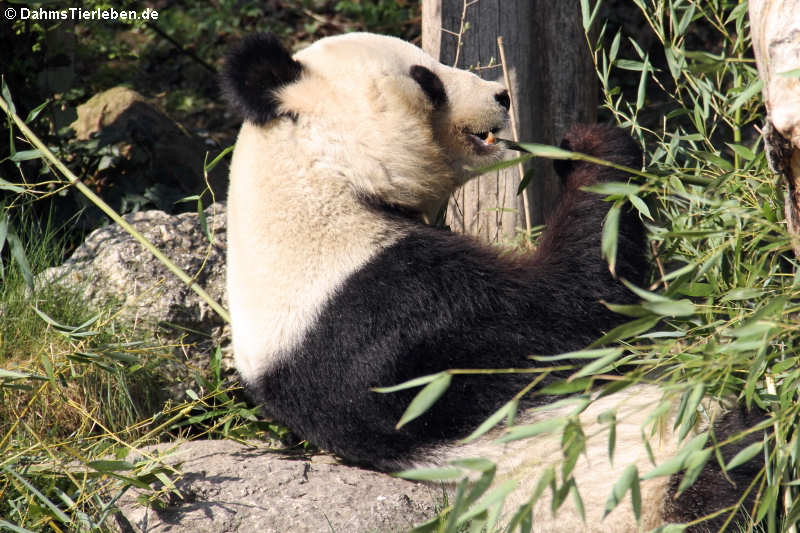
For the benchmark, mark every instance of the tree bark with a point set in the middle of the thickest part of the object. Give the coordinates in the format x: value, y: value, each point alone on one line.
x: 553, y: 85
x: 775, y: 29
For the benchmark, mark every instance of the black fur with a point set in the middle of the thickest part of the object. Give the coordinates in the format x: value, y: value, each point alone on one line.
x: 252, y: 72
x: 714, y: 490
x: 437, y: 300
x: 431, y: 84
x: 503, y: 99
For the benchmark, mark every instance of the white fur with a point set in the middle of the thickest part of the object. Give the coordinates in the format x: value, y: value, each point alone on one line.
x: 275, y: 287
x: 526, y: 460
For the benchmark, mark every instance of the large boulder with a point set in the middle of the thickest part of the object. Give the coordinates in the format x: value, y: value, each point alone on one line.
x: 147, y: 155
x: 111, y: 265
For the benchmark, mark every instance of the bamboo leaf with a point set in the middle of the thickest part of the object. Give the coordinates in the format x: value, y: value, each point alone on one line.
x: 612, y: 52
x: 625, y: 481
x: 6, y: 94
x: 608, y: 243
x: 744, y: 455
x: 566, y: 386
x: 582, y: 354
x: 18, y: 253
x: 7, y: 186
x: 526, y: 179
x: 547, y: 151
x: 642, y: 91
x: 628, y: 330
x: 610, y: 418
x: 689, y: 414
x: 478, y: 464
x: 629, y: 64
x: 445, y: 473
x: 694, y: 467
x: 633, y: 311
x: 425, y: 398
x: 496, y: 496
x: 741, y: 293
x: 636, y: 498
x: 742, y: 151
x: 598, y: 365
x: 677, y: 462
x: 416, y: 382
x: 585, y: 14
x: 550, y: 425
x: 25, y: 155
x: 56, y: 512
x: 645, y: 295
x: 746, y: 95
x: 502, y: 164
x: 577, y: 500
x: 493, y: 420
x: 12, y: 374
x: 614, y: 188
x: 36, y: 110
x: 640, y: 206
x: 110, y: 466
x: 12, y: 527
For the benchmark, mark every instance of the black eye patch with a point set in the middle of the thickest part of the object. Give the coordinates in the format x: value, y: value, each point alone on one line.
x: 431, y: 85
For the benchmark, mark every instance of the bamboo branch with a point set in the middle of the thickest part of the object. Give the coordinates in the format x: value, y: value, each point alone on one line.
x: 515, y: 134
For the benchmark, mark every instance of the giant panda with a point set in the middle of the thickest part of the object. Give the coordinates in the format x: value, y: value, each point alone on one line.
x: 336, y: 284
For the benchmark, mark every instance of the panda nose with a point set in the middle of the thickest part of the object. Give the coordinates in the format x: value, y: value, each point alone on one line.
x: 503, y: 99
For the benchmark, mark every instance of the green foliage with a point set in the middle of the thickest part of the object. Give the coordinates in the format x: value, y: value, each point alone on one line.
x: 380, y: 16
x: 719, y: 319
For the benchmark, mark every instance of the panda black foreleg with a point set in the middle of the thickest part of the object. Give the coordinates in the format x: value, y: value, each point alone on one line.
x: 569, y: 255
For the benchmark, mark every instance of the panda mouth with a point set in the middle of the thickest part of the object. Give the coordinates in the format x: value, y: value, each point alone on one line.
x: 484, y: 142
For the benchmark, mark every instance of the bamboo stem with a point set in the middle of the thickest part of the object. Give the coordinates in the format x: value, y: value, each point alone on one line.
x: 515, y: 135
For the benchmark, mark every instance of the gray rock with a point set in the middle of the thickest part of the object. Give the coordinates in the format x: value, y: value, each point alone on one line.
x: 112, y: 266
x: 229, y: 487
x: 151, y: 154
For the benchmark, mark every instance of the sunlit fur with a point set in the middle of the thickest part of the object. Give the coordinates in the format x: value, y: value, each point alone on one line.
x: 384, y: 141
x: 595, y: 472
x: 335, y: 286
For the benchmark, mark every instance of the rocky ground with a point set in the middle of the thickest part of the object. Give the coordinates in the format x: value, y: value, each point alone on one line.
x: 231, y: 487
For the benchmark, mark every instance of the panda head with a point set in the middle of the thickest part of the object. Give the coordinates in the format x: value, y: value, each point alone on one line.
x: 375, y: 111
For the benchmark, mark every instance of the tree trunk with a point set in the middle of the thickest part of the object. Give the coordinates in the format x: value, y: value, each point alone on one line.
x: 775, y: 29
x: 553, y: 85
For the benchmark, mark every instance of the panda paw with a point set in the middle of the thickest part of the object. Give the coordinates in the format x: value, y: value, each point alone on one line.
x: 604, y: 142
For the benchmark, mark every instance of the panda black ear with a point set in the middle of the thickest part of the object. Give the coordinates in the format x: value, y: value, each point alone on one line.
x: 252, y: 72
x: 431, y: 85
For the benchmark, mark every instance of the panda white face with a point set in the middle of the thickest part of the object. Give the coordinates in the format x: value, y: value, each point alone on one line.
x: 396, y: 124
x: 371, y: 76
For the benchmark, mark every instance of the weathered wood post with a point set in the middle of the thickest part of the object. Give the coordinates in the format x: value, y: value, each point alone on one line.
x: 775, y: 29
x: 553, y: 86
